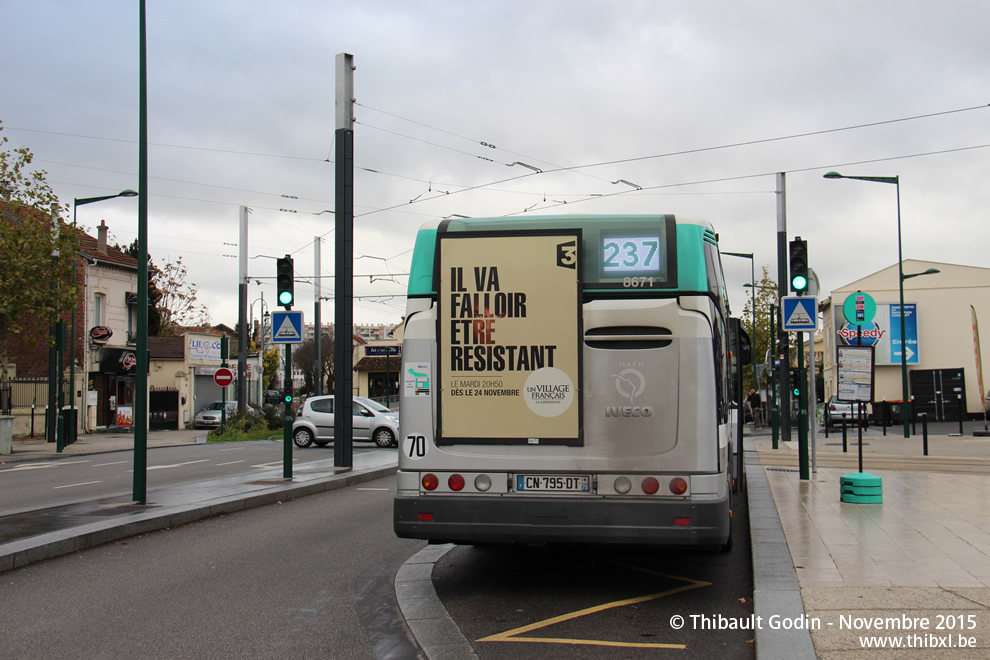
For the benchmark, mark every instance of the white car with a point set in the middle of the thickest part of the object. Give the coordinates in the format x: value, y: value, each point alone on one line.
x: 836, y: 407
x: 372, y: 421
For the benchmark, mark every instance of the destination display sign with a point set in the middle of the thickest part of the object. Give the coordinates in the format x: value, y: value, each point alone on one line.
x: 509, y: 349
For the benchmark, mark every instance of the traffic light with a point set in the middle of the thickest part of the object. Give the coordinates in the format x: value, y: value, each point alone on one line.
x: 284, y: 280
x: 287, y: 391
x: 797, y: 382
x: 799, y: 265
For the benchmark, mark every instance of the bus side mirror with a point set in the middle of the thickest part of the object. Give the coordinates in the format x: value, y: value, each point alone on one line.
x: 746, y: 347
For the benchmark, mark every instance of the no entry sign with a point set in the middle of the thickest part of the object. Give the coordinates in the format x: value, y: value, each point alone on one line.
x: 223, y: 377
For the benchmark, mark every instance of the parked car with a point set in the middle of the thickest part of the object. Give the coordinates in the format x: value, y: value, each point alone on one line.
x: 273, y: 396
x: 372, y: 421
x: 209, y: 417
x: 834, y: 409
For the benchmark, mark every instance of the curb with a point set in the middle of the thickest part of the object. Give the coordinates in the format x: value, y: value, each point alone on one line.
x: 775, y: 585
x: 18, y: 554
x: 435, y: 632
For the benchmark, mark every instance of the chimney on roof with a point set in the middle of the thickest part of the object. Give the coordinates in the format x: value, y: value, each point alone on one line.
x: 101, y: 237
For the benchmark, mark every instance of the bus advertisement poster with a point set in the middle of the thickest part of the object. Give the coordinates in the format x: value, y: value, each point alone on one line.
x: 509, y: 350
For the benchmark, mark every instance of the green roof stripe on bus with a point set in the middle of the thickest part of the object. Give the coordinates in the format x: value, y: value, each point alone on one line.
x: 692, y: 274
x: 421, y: 269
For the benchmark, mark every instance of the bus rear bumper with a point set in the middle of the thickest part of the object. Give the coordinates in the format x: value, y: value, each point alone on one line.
x: 472, y: 520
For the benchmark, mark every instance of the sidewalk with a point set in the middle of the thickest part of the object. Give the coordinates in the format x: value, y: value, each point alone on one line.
x: 96, y: 443
x: 923, y: 553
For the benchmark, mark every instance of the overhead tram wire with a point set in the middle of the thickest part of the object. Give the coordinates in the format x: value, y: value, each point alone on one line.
x: 559, y: 169
x: 763, y: 174
x: 585, y: 166
x: 474, y: 141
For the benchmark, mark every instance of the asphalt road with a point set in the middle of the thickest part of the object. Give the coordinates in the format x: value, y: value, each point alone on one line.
x: 534, y: 603
x: 309, y: 578
x: 35, y: 484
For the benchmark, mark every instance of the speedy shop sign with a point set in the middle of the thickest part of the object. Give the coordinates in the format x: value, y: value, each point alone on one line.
x: 867, y: 334
x: 883, y: 333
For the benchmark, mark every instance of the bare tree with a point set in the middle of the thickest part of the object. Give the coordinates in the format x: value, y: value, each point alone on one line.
x: 304, y: 359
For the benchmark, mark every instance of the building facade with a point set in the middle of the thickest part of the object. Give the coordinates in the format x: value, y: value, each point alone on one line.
x: 943, y: 370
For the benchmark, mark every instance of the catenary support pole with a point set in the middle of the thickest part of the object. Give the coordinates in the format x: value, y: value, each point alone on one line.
x: 344, y: 263
x: 242, y: 309
x: 782, y: 286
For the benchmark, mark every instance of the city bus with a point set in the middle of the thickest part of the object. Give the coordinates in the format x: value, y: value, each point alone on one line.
x: 566, y: 379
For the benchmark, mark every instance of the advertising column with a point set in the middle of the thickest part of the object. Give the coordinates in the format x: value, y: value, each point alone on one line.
x: 510, y: 329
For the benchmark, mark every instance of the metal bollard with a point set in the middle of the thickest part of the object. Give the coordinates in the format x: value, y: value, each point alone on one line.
x: 924, y: 431
x: 845, y: 446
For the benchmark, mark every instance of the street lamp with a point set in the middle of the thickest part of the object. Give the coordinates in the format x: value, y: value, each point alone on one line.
x: 261, y: 350
x: 906, y: 403
x: 76, y: 203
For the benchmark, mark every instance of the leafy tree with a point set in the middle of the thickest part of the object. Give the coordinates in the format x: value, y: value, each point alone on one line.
x: 33, y: 224
x: 270, y: 363
x: 766, y: 298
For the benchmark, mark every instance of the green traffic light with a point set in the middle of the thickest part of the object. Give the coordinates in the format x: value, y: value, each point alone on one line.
x: 799, y: 283
x: 285, y: 298
x: 288, y: 398
x: 797, y: 392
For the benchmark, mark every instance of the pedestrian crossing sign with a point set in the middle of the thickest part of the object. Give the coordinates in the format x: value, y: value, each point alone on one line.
x: 287, y: 327
x: 800, y: 313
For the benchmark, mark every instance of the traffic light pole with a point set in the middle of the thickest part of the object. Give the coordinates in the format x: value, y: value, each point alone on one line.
x: 774, y: 410
x: 801, y: 386
x: 287, y: 419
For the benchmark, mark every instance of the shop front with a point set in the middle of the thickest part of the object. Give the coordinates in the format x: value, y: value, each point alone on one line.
x: 110, y: 400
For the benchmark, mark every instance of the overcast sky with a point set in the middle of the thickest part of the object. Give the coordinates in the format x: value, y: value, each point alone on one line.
x: 241, y: 112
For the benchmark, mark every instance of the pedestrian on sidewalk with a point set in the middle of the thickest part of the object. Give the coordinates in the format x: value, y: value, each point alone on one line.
x: 755, y: 404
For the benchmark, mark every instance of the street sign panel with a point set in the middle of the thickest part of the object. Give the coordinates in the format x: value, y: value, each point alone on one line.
x: 223, y: 377
x: 287, y: 327
x: 382, y: 351
x: 910, y: 343
x: 800, y: 313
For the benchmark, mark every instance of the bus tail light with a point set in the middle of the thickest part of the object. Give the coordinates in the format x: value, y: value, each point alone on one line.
x: 455, y: 481
x: 650, y: 485
x: 682, y: 522
x: 426, y: 517
x: 622, y: 485
x: 430, y: 482
x: 678, y: 486
x: 482, y: 482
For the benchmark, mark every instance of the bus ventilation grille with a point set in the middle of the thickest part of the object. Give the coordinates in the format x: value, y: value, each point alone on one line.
x: 627, y: 338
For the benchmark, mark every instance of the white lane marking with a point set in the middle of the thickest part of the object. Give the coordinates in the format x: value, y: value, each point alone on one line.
x: 85, y: 483
x: 268, y: 465
x: 41, y: 466
x: 106, y: 464
x: 373, y: 489
x: 166, y: 467
x: 230, y: 463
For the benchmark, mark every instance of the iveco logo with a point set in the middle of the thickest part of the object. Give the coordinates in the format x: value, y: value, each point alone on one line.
x: 630, y: 383
x: 629, y: 411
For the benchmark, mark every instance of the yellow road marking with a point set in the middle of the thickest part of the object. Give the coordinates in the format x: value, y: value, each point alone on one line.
x: 514, y: 635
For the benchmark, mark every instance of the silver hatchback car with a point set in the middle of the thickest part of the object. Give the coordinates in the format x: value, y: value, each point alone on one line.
x: 372, y: 421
